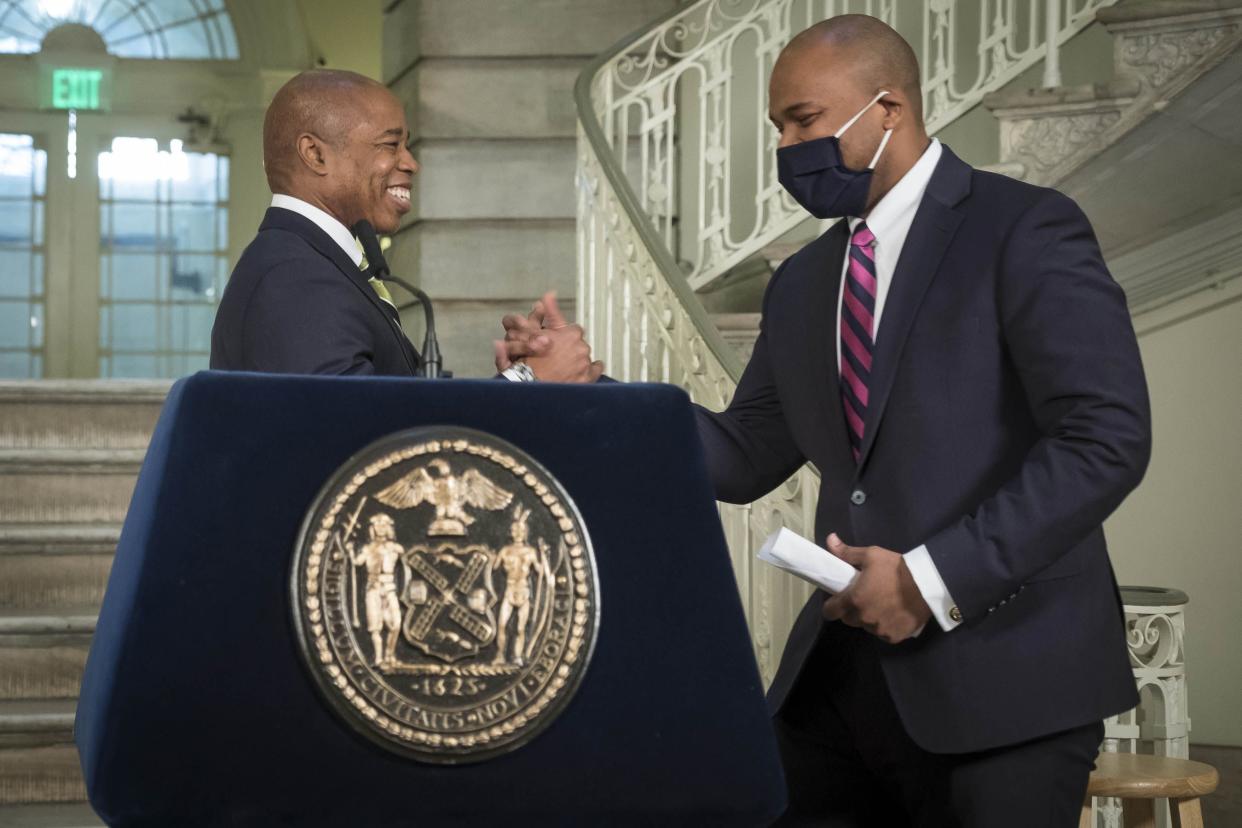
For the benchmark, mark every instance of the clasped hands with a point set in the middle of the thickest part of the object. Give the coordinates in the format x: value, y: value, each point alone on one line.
x: 883, y: 599
x: 552, y: 347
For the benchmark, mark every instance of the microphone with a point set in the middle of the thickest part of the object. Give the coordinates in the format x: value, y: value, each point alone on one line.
x: 377, y: 266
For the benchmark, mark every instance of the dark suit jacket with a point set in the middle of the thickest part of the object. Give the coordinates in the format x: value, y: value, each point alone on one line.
x: 297, y: 304
x: 1008, y: 418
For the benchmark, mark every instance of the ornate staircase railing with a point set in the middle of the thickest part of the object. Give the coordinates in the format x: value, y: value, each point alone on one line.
x: 677, y: 185
x: 683, y: 107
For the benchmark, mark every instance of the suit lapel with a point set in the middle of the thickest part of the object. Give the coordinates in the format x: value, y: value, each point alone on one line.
x: 820, y: 333
x: 322, y: 242
x: 933, y: 228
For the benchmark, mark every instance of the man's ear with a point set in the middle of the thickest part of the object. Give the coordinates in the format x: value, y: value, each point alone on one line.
x: 313, y: 153
x: 895, y: 107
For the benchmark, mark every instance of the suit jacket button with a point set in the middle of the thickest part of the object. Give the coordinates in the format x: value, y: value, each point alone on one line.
x: 858, y: 497
x: 955, y: 615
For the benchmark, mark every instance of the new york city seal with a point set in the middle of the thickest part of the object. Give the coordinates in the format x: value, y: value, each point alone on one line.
x: 445, y: 595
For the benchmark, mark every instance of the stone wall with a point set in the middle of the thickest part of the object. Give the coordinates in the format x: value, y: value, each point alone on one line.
x: 488, y: 87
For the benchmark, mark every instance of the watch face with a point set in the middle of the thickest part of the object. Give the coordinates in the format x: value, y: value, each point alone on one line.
x: 444, y: 591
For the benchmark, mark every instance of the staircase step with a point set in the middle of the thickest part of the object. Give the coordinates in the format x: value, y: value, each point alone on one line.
x: 43, y: 652
x: 1063, y: 101
x: 71, y: 460
x: 777, y: 252
x: 38, y: 761
x: 56, y: 566
x: 739, y: 329
x: 79, y: 413
x: 1145, y: 11
x: 36, y: 722
x: 50, y: 773
x: 58, y: 539
x: 480, y: 179
x: 77, y: 815
x: 61, y: 485
x: 53, y: 580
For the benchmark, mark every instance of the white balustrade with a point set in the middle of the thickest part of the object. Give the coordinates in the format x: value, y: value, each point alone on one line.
x: 1160, y: 725
x: 639, y: 324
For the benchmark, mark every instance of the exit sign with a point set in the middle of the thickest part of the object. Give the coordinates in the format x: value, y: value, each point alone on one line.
x: 77, y: 88
x: 70, y: 80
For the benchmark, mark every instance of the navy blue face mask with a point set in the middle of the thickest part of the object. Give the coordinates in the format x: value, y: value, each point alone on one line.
x: 814, y: 174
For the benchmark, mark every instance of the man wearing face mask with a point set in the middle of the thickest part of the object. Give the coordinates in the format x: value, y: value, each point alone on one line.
x: 955, y: 359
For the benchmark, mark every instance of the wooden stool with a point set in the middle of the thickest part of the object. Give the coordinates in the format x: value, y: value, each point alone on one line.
x: 1138, y: 780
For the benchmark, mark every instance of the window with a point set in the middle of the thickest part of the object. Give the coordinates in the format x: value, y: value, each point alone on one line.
x: 187, y: 29
x: 162, y: 260
x: 23, y: 179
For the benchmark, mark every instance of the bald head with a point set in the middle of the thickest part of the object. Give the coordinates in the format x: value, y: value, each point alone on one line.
x: 876, y: 56
x: 827, y: 84
x: 322, y: 102
x: 339, y: 141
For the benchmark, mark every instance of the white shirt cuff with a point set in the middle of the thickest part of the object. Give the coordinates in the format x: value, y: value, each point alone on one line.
x: 931, y: 585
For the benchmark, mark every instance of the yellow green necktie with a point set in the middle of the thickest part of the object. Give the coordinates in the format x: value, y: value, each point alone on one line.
x: 381, y: 290
x: 377, y: 285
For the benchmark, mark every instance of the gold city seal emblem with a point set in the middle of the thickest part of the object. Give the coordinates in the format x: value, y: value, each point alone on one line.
x: 445, y: 595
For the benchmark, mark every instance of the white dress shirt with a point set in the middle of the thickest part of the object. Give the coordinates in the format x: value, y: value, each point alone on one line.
x: 326, y: 222
x: 889, y: 221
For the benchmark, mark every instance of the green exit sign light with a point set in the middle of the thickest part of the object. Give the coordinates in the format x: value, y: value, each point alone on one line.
x: 76, y: 88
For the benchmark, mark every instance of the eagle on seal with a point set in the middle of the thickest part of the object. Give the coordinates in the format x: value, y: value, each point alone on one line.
x: 448, y: 493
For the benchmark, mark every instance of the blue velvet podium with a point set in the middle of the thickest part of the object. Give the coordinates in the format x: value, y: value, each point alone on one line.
x: 196, y: 708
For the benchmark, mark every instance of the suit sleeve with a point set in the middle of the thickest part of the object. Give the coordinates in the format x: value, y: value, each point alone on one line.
x: 749, y: 448
x: 303, y: 320
x: 1070, y: 338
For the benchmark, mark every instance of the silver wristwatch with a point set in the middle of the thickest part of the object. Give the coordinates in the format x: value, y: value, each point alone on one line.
x: 519, y: 372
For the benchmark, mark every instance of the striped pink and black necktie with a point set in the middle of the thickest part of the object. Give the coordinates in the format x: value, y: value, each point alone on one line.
x: 858, y: 334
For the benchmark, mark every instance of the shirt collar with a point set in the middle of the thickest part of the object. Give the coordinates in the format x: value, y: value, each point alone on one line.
x: 901, y: 201
x: 324, y: 221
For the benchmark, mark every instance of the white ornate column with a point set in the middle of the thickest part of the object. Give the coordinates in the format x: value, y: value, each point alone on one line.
x: 1160, y: 725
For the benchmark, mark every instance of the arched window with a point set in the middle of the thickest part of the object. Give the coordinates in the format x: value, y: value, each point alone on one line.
x: 185, y: 29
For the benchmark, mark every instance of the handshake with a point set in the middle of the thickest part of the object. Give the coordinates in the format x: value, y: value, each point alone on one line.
x: 548, y: 344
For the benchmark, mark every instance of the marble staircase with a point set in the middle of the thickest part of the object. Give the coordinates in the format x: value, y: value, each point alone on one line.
x: 69, y: 455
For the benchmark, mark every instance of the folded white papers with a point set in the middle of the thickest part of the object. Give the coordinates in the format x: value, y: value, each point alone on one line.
x: 795, y: 554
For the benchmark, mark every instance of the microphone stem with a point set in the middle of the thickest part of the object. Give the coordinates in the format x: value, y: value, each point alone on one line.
x: 431, y: 346
x: 378, y: 268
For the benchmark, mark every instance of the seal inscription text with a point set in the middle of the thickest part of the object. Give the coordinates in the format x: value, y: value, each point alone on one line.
x: 445, y: 595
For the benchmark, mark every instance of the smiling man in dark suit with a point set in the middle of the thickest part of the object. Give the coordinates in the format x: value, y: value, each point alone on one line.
x: 956, y: 360
x: 335, y: 152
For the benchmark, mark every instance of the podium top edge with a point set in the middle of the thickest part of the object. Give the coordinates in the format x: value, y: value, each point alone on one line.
x: 248, y: 376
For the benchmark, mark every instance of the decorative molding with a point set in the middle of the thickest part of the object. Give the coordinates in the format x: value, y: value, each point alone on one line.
x: 1054, y: 132
x: 1157, y: 57
x: 1183, y: 274
x: 1182, y: 308
x: 1040, y: 144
